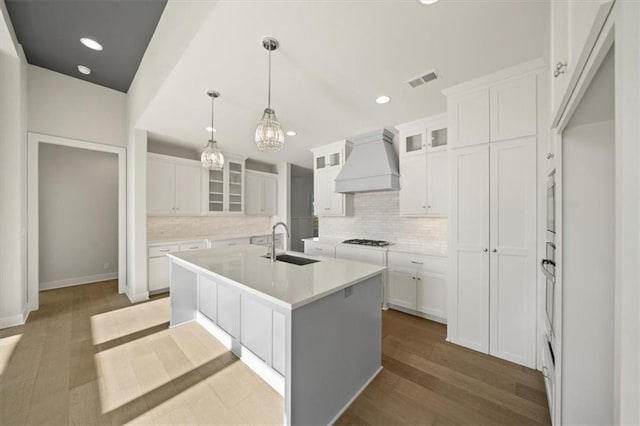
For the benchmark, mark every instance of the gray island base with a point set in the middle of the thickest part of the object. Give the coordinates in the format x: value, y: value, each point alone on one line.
x: 312, y: 332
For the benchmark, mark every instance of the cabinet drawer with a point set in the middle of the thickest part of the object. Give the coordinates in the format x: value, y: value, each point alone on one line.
x: 418, y: 260
x: 260, y: 241
x: 157, y: 251
x: 193, y: 245
x: 233, y: 242
x: 319, y: 249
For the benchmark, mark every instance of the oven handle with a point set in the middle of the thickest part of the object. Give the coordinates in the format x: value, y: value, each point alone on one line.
x: 548, y: 274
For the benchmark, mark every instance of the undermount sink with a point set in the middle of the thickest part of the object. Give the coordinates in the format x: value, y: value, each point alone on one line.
x: 295, y: 260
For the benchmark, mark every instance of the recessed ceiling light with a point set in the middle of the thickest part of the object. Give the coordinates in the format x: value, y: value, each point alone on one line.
x: 382, y: 99
x: 428, y: 1
x: 291, y: 133
x: 84, y: 70
x: 91, y: 43
x: 208, y: 129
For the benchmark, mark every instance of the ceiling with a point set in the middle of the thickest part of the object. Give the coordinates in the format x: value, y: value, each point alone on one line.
x: 50, y: 32
x: 334, y: 59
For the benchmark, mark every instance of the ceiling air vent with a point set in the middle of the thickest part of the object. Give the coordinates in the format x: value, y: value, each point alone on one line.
x: 422, y: 79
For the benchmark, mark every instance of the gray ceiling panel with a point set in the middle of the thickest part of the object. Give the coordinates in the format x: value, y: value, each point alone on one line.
x: 50, y: 32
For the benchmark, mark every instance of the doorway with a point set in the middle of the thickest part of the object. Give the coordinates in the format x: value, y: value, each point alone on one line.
x: 76, y: 214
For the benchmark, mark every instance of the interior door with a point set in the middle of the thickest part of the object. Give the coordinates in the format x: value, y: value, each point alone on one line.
x: 188, y: 192
x: 438, y: 183
x: 413, y: 186
x: 513, y: 251
x: 161, y: 187
x: 468, y: 319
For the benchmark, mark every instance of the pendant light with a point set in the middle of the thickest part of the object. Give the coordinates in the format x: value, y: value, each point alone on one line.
x: 211, y: 157
x: 269, y: 134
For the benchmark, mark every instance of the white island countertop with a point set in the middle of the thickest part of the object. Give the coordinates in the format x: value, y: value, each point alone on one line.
x: 285, y: 284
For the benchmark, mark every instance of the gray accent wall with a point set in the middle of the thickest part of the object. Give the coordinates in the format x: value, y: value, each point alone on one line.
x: 78, y: 218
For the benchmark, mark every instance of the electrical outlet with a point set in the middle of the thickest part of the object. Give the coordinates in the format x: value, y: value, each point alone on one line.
x: 107, y: 265
x: 348, y: 291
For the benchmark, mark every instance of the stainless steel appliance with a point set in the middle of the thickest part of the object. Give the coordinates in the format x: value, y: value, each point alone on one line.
x: 372, y: 243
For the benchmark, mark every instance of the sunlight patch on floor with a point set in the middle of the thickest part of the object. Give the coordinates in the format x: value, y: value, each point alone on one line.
x: 130, y: 320
x: 7, y: 346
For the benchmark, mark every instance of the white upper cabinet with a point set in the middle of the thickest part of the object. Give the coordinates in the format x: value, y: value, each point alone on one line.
x: 513, y: 108
x: 575, y: 26
x: 261, y: 193
x: 469, y: 118
x: 223, y: 190
x: 173, y: 186
x: 327, y: 164
x: 424, y: 167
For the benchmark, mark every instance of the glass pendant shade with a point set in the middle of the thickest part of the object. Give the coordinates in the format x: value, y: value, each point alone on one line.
x: 212, y: 157
x: 269, y: 134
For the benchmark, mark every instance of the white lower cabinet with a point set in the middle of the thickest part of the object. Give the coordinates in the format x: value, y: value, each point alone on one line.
x: 229, y: 310
x: 319, y: 249
x: 208, y: 298
x: 418, y: 282
x: 279, y: 335
x: 256, y: 332
x: 159, y: 265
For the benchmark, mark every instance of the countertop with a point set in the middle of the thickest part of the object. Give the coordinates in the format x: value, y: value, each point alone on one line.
x: 287, y: 285
x: 427, y: 249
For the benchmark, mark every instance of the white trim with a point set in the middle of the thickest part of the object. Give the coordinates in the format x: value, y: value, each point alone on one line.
x: 355, y: 396
x: 490, y: 79
x: 70, y: 282
x: 266, y: 373
x: 431, y: 317
x: 15, y: 320
x: 139, y: 297
x: 34, y: 139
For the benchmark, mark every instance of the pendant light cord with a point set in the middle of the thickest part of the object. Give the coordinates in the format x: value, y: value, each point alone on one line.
x: 269, y: 95
x: 212, y: 104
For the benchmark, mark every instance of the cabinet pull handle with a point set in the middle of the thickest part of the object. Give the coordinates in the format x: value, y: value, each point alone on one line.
x: 318, y: 248
x: 194, y: 247
x: 550, y: 156
x: 416, y: 262
x: 165, y: 250
x: 560, y: 65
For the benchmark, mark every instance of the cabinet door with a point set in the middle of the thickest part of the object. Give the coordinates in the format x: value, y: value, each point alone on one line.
x: 158, y: 273
x: 513, y: 251
x: 278, y: 357
x: 437, y: 139
x: 559, y: 52
x: 229, y: 310
x: 256, y: 321
x: 402, y: 287
x: 413, y: 142
x: 513, y: 108
x: 188, y: 191
x: 320, y: 193
x: 253, y: 191
x: 335, y: 199
x: 469, y: 119
x: 438, y: 183
x: 161, y: 187
x: 208, y: 298
x: 468, y: 313
x: 413, y: 189
x: 432, y: 294
x: 235, y: 187
x: 270, y: 196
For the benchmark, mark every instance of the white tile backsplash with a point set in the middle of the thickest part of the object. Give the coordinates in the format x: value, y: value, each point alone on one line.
x: 376, y: 216
x: 159, y: 228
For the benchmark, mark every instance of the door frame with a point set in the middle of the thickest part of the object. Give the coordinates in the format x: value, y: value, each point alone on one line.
x: 33, y: 246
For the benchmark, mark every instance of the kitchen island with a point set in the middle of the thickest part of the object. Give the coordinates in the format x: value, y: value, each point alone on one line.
x: 313, y: 332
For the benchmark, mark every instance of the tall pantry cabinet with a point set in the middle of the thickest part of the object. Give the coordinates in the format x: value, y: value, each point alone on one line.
x: 494, y: 130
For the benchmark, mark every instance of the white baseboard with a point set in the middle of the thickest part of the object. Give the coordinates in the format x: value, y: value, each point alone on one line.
x: 15, y: 320
x: 269, y: 375
x: 69, y: 282
x: 436, y: 318
x: 138, y: 297
x: 355, y: 396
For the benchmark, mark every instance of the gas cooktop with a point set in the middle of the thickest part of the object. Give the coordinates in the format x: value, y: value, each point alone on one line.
x: 373, y: 243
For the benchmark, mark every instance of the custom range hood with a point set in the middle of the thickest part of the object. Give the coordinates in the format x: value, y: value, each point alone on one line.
x: 372, y: 165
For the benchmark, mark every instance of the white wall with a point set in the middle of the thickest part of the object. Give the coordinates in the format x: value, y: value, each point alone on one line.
x: 78, y: 220
x: 376, y: 216
x: 60, y: 105
x: 13, y: 178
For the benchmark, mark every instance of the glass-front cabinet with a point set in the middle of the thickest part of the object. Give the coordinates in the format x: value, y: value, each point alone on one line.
x: 225, y: 188
x: 327, y: 164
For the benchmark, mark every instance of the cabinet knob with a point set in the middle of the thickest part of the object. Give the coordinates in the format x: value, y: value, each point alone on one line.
x: 413, y: 278
x: 494, y: 250
x: 424, y: 207
x: 428, y: 207
x: 419, y: 278
x: 556, y: 73
x: 560, y: 65
x: 550, y: 156
x: 485, y: 250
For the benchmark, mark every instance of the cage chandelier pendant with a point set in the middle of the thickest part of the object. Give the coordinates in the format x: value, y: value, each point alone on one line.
x: 269, y: 134
x: 211, y: 157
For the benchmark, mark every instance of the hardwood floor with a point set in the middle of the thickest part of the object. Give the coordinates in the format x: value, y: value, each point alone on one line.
x: 426, y: 380
x: 90, y: 357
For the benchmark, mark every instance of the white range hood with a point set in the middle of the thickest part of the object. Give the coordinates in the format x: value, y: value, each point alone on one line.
x: 372, y: 165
